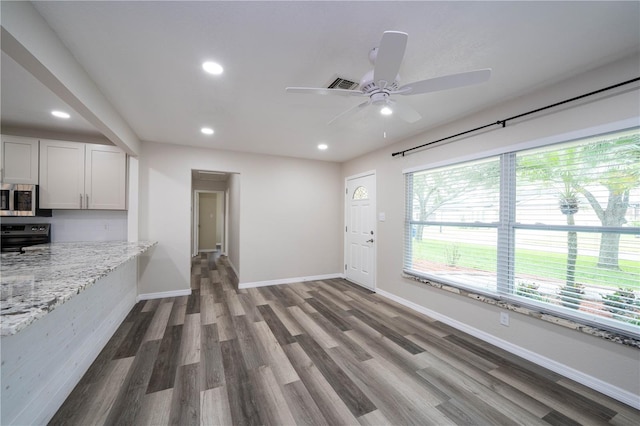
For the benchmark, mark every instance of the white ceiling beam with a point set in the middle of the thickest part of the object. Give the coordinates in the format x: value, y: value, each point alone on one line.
x: 30, y: 41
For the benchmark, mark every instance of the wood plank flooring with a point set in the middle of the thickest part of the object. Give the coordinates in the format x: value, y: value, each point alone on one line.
x: 314, y: 353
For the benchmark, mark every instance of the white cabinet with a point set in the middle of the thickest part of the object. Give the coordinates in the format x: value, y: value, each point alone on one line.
x: 61, y: 175
x: 105, y: 177
x: 19, y: 159
x: 82, y: 176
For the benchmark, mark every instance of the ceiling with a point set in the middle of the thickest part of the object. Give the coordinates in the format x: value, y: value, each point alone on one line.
x: 146, y: 59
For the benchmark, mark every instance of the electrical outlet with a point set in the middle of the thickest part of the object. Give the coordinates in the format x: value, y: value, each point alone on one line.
x: 504, y: 318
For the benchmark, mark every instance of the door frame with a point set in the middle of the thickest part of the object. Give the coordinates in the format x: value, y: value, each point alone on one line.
x: 374, y: 264
x: 196, y: 218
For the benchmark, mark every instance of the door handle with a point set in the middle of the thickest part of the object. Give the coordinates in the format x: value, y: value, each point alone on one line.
x: 370, y: 241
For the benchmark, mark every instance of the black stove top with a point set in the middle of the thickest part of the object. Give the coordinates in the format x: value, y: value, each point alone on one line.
x: 17, y: 236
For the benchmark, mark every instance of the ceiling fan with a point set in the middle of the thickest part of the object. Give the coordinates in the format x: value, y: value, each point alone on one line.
x: 382, y: 82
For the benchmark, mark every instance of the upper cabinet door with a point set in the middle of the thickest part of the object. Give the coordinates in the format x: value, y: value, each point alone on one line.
x: 105, y: 177
x: 19, y: 160
x: 62, y: 175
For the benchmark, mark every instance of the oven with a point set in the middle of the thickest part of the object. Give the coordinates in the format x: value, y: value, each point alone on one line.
x: 19, y: 235
x: 20, y: 200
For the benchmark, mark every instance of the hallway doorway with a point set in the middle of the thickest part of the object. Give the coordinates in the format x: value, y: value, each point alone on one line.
x: 209, y: 221
x: 215, y: 216
x: 209, y: 208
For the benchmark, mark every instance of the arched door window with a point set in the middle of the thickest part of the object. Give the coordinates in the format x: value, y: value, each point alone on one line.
x: 360, y: 193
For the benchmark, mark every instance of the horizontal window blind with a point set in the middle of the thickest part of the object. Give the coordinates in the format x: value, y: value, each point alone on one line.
x: 557, y: 228
x: 453, y: 215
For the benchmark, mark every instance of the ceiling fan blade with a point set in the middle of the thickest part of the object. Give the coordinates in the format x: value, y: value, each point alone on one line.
x: 322, y: 91
x: 349, y: 113
x: 389, y: 57
x: 445, y: 82
x: 405, y: 112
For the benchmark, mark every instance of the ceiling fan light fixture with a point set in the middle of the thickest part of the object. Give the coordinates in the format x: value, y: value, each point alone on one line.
x: 60, y: 114
x: 212, y: 68
x: 385, y: 110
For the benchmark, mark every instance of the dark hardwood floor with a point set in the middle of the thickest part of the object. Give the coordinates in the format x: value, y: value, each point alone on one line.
x: 314, y: 353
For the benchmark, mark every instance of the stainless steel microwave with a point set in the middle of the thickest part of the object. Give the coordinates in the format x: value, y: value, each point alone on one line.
x: 19, y: 199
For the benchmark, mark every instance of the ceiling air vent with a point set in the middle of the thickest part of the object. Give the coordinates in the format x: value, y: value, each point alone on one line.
x: 342, y: 83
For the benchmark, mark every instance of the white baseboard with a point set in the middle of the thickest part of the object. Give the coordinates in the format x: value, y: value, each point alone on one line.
x: 289, y: 280
x: 163, y: 294
x: 233, y: 267
x: 601, y: 386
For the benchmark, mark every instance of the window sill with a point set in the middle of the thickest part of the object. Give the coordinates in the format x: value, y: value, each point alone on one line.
x: 554, y: 319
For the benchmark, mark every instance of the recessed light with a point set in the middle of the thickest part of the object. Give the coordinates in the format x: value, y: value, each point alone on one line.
x: 207, y: 130
x: 323, y: 146
x: 212, y: 68
x: 60, y: 114
x: 386, y: 111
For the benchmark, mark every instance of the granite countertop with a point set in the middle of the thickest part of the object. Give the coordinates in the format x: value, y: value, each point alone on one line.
x: 46, y: 276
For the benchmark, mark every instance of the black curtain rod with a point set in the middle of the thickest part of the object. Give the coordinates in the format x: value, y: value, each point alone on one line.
x: 503, y: 123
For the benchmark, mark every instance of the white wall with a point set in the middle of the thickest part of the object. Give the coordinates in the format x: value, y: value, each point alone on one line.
x: 611, y: 363
x: 220, y: 219
x: 234, y: 222
x: 132, y: 199
x: 289, y: 221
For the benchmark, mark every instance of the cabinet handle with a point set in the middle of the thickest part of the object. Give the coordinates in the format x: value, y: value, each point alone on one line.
x: 87, y: 198
x: 80, y: 201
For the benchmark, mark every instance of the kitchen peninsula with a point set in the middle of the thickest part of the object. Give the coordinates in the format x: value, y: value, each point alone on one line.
x: 60, y: 303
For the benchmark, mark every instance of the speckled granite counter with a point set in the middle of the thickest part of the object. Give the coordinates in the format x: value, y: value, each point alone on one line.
x: 46, y: 276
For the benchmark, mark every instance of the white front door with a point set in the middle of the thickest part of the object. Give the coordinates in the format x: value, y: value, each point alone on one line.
x: 360, y: 237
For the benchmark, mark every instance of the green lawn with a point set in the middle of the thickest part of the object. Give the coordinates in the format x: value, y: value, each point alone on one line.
x: 543, y: 265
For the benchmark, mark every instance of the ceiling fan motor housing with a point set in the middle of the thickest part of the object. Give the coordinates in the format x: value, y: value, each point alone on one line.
x: 367, y: 85
x: 379, y: 97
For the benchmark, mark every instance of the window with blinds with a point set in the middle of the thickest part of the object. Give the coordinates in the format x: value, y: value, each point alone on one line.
x: 554, y: 228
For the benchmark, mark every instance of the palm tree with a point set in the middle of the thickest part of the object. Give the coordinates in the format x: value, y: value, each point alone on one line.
x: 554, y: 169
x: 569, y: 206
